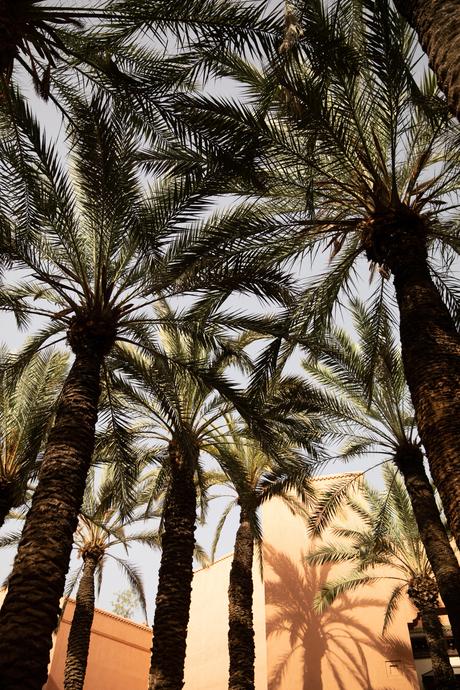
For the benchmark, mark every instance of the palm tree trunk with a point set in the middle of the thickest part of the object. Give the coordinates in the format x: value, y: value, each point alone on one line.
x: 175, y: 577
x: 80, y: 631
x: 444, y: 678
x: 424, y: 594
x: 31, y: 608
x: 241, y: 626
x: 431, y: 356
x: 441, y: 556
x: 437, y: 25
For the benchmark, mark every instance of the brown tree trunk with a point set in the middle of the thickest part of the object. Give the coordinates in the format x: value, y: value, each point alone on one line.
x: 241, y: 625
x: 80, y: 630
x: 443, y: 672
x: 175, y: 577
x: 424, y: 595
x: 437, y: 23
x: 441, y: 556
x: 431, y: 356
x: 31, y: 608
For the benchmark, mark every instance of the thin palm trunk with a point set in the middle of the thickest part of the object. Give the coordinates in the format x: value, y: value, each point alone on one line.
x: 430, y: 347
x: 31, y: 608
x: 80, y: 630
x: 437, y: 25
x: 432, y: 533
x: 175, y: 578
x: 443, y: 673
x: 241, y: 626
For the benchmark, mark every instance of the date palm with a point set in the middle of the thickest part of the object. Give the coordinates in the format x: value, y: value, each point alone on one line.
x: 101, y: 529
x: 387, y: 537
x: 26, y: 409
x: 362, y: 389
x: 180, y: 412
x: 255, y: 478
x: 365, y: 182
x: 91, y: 242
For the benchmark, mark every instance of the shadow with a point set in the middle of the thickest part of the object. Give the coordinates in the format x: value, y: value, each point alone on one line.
x: 336, y: 635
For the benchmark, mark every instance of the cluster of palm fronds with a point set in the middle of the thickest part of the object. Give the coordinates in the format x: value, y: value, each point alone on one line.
x: 130, y: 237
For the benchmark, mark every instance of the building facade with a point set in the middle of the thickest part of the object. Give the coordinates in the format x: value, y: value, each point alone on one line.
x: 296, y: 648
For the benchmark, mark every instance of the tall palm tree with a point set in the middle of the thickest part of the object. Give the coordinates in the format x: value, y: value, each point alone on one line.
x: 387, y: 536
x: 181, y: 412
x: 436, y: 24
x: 101, y: 529
x: 362, y: 182
x: 363, y: 389
x: 93, y: 241
x: 256, y: 478
x: 26, y: 409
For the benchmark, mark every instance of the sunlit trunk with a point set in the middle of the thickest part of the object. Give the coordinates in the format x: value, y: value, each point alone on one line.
x: 80, y: 630
x: 241, y: 624
x: 175, y: 578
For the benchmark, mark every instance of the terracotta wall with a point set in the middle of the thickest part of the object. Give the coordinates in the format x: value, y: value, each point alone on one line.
x: 297, y: 649
x: 207, y: 651
x: 119, y: 654
x: 341, y: 649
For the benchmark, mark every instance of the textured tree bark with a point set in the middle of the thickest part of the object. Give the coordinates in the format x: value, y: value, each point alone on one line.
x: 31, y: 608
x: 437, y: 25
x: 443, y: 672
x: 175, y: 577
x: 441, y: 556
x: 431, y: 355
x: 80, y: 630
x: 241, y: 625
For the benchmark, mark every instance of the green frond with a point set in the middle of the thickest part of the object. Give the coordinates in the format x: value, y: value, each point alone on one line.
x: 332, y: 590
x: 330, y: 502
x: 392, y: 606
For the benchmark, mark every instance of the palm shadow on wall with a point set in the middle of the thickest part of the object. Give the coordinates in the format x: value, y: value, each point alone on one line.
x: 335, y: 634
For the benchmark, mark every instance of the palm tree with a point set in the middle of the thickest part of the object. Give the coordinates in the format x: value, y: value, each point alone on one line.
x: 436, y: 26
x: 387, y: 536
x: 101, y: 529
x: 375, y: 416
x: 93, y: 242
x: 339, y: 174
x: 181, y: 412
x: 26, y: 409
x: 256, y: 478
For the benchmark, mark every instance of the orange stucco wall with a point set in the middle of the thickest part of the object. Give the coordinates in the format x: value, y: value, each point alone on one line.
x: 341, y: 649
x: 296, y: 648
x: 207, y: 652
x: 119, y: 654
